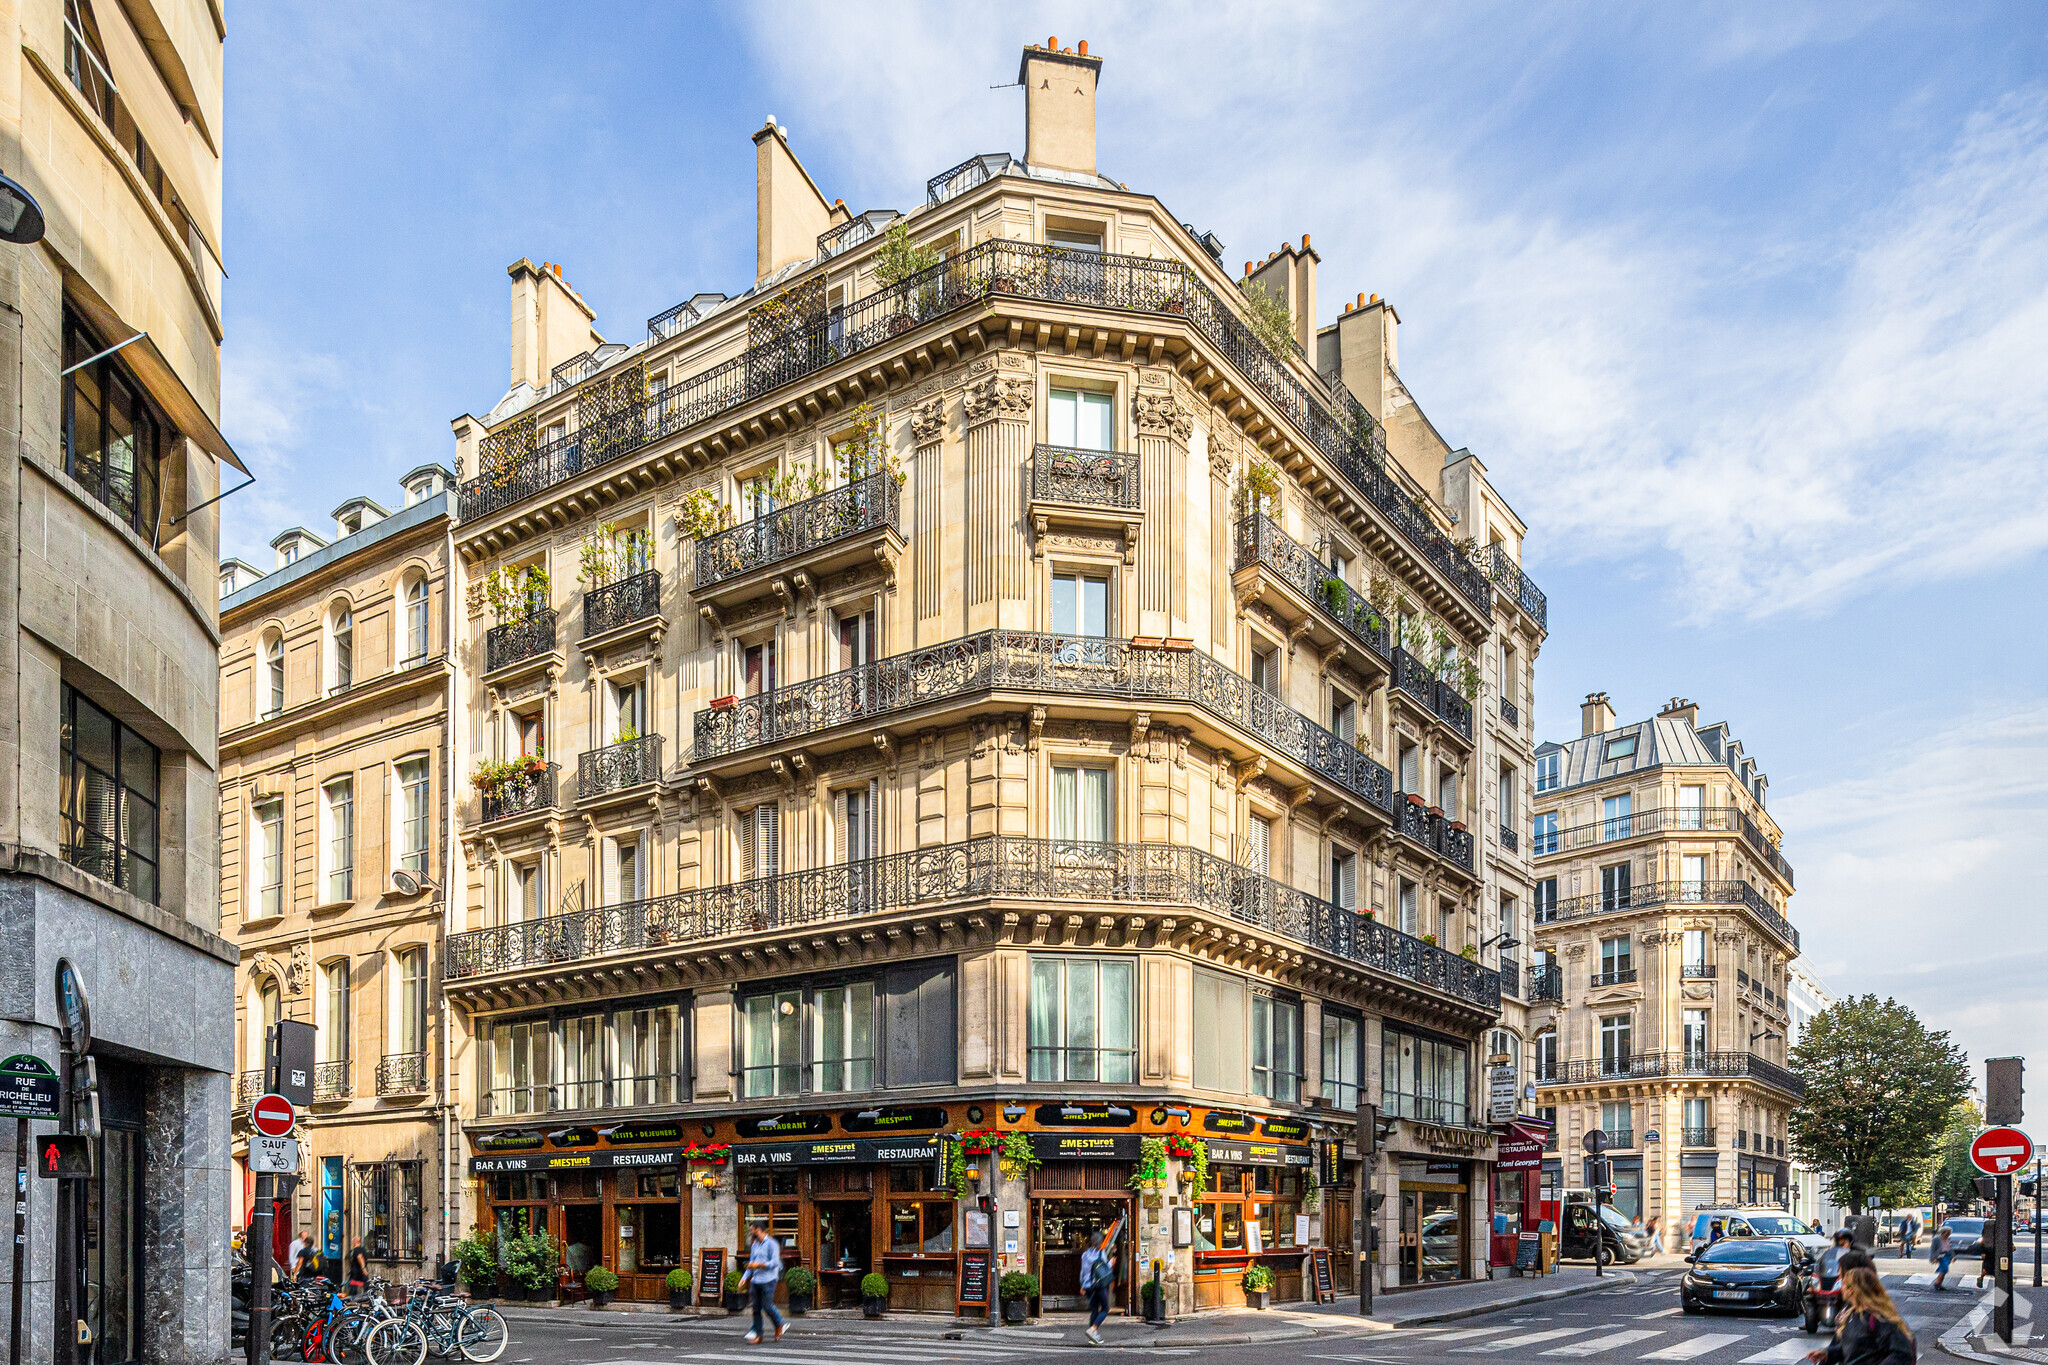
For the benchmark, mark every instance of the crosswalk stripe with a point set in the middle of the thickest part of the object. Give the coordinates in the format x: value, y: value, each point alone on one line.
x: 1660, y: 1313
x: 1526, y: 1339
x: 1466, y: 1333
x: 1696, y: 1346
x: 1792, y: 1349
x: 1607, y: 1343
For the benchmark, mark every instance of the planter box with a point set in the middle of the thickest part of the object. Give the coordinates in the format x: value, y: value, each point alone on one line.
x: 1147, y: 641
x: 1015, y: 1310
x: 678, y: 1300
x: 724, y: 703
x: 873, y: 1308
x: 1260, y: 1299
x: 799, y: 1304
x: 1177, y: 645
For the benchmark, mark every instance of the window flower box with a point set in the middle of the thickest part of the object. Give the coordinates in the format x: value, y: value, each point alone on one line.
x: 725, y: 703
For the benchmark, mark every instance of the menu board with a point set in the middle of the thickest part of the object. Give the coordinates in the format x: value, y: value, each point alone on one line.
x: 973, y: 1288
x: 1319, y: 1267
x: 1527, y: 1250
x: 711, y: 1275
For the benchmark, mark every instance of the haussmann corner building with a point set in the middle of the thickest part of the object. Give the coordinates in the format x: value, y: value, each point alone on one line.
x: 947, y: 745
x: 110, y: 353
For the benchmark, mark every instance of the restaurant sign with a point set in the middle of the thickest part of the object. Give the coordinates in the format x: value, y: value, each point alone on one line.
x: 834, y: 1152
x: 1231, y: 1153
x: 574, y: 1161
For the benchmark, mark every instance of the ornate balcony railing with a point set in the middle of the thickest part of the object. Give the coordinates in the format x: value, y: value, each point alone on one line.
x: 977, y: 170
x: 248, y: 1090
x: 402, y: 1073
x: 1509, y: 839
x: 1043, y: 871
x: 1517, y: 584
x: 1761, y: 845
x: 1546, y: 983
x: 851, y: 233
x: 1664, y: 820
x: 1511, y: 713
x: 1433, y: 832
x: 1091, y: 478
x: 618, y: 766
x: 864, y: 505
x: 1261, y: 542
x: 620, y: 604
x: 1625, y: 976
x: 517, y: 641
x: 521, y: 795
x: 1620, y: 1139
x: 1697, y: 971
x: 332, y: 1081
x: 1696, y: 1137
x: 1654, y: 1065
x: 676, y: 320
x: 1056, y: 666
x: 1650, y: 895
x: 1336, y: 425
x: 1438, y: 697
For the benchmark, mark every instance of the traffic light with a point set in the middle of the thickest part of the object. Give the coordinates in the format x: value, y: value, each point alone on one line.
x: 1986, y: 1186
x: 2029, y: 1184
x: 64, y: 1156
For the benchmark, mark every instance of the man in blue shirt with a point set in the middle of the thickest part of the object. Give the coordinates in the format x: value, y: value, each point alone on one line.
x: 764, y: 1268
x: 1098, y: 1269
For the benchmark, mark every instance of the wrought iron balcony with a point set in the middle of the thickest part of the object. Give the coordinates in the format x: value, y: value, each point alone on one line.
x: 521, y: 795
x: 1626, y: 976
x: 851, y: 233
x: 248, y: 1089
x: 1435, y: 833
x: 1656, y: 1065
x: 1089, y: 478
x: 517, y: 641
x: 1056, y: 666
x: 618, y: 766
x: 1620, y: 1139
x: 1509, y: 839
x: 1667, y: 820
x: 1518, y: 585
x: 1437, y: 697
x: 1510, y: 976
x: 1760, y: 844
x: 1041, y: 871
x: 1696, y: 1137
x: 1329, y: 418
x: 1261, y: 542
x: 1510, y: 713
x: 1546, y: 983
x: 1697, y: 971
x: 622, y: 603
x: 977, y: 170
x: 332, y: 1081
x: 402, y: 1073
x: 1650, y: 895
x: 868, y: 504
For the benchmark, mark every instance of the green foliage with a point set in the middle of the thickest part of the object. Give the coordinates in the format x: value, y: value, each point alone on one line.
x: 1151, y: 1165
x: 1018, y: 1284
x: 1880, y: 1089
x: 515, y: 594
x: 1952, y: 1168
x: 598, y: 1280
x: 531, y: 1259
x: 1470, y: 952
x: 606, y: 554
x: 478, y: 1257
x: 864, y: 448
x: 1311, y: 1195
x: 1197, y: 1166
x: 956, y: 1169
x: 874, y: 1286
x: 1259, y: 485
x: 734, y: 1282
x: 703, y: 513
x: 898, y: 258
x: 679, y: 1281
x: 493, y: 773
x: 1271, y: 320
x: 1258, y: 1277
x: 801, y: 1281
x: 1015, y: 1157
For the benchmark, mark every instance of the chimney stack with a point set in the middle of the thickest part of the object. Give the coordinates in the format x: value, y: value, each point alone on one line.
x: 1059, y: 107
x: 1681, y: 708
x: 789, y: 209
x: 1595, y: 715
x: 550, y: 322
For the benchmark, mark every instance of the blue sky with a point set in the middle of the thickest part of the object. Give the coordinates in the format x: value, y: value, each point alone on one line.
x: 1745, y: 308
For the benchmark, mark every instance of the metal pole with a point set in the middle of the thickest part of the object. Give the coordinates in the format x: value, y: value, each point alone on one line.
x: 65, y: 1350
x: 21, y: 1236
x: 1599, y: 1226
x: 2038, y: 1205
x: 259, y: 1271
x: 2001, y: 1311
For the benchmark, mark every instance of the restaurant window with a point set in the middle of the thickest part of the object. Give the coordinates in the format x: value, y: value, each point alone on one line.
x: 392, y: 1208
x: 774, y: 1198
x: 110, y: 792
x: 845, y: 1031
x: 917, y: 1226
x: 1081, y: 1020
x: 1341, y: 1057
x: 1248, y: 1206
x: 1423, y: 1077
x: 113, y: 438
x: 809, y: 1038
x: 1276, y: 1048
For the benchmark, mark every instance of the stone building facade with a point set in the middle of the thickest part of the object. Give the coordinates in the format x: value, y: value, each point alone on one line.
x: 967, y: 725
x: 337, y: 682
x: 108, y: 854
x: 1663, y: 952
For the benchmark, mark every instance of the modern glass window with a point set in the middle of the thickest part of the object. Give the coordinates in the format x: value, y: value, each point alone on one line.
x: 273, y: 677
x: 1695, y: 947
x: 338, y: 799
x: 1615, y: 958
x: 1080, y: 804
x: 1692, y: 874
x: 773, y: 1052
x: 1617, y: 1043
x: 415, y: 622
x: 1546, y: 900
x: 1695, y: 1036
x: 1615, y: 888
x: 845, y: 1051
x: 1083, y: 420
x: 113, y: 438
x: 580, y: 1046
x: 1618, y: 749
x: 1082, y: 1020
x: 411, y: 1004
x: 1276, y: 1048
x: 268, y: 864
x: 110, y: 792
x: 1423, y: 1078
x: 413, y: 810
x: 1614, y: 817
x: 1543, y: 834
x: 1692, y: 802
x: 1342, y: 1051
x: 520, y: 1070
x: 341, y: 644
x: 645, y: 1048
x: 1080, y: 605
x: 332, y: 1020
x: 1549, y: 772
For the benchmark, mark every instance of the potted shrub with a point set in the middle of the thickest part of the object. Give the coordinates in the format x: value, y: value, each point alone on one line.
x: 679, y: 1282
x: 802, y: 1285
x: 479, y: 1262
x: 735, y: 1291
x: 602, y: 1284
x: 1155, y: 1303
x: 1018, y: 1289
x: 1258, y: 1285
x: 532, y: 1257
x: 874, y: 1295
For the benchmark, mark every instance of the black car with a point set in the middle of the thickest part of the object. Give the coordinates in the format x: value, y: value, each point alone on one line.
x: 1747, y: 1273
x: 1966, y: 1235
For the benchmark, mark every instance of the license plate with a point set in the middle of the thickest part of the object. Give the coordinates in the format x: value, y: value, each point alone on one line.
x: 1731, y: 1293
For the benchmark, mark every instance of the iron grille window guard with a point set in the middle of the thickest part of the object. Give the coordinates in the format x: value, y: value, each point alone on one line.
x: 976, y: 170
x: 1510, y: 713
x: 1518, y: 585
x: 1509, y: 839
x: 1652, y: 1065
x: 618, y: 766
x: 1438, y: 697
x: 1620, y: 1139
x: 1546, y: 983
x: 1510, y: 976
x: 517, y: 641
x: 1041, y: 870
x: 248, y: 1089
x: 1064, y: 665
x: 1625, y: 977
x: 1337, y: 426
x: 622, y: 603
x: 1697, y: 1137
x: 1261, y: 542
x: 521, y: 795
x: 865, y: 505
x: 1697, y: 971
x: 402, y: 1073
x: 1414, y: 822
x: 1091, y: 478
x: 1649, y: 894
x: 331, y: 1081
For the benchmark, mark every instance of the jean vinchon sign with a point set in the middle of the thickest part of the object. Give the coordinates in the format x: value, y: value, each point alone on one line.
x: 573, y: 1161
x: 833, y: 1152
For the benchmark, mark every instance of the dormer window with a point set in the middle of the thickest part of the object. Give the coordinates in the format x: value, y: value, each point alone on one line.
x: 289, y: 554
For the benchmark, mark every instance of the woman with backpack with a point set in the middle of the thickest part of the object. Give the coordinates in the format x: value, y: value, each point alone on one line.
x: 1868, y: 1330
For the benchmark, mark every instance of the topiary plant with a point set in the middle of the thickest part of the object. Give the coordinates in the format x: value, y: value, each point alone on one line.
x: 598, y: 1280
x: 1019, y: 1284
x: 1258, y: 1278
x: 801, y: 1281
x: 734, y: 1282
x: 873, y: 1286
x: 679, y: 1281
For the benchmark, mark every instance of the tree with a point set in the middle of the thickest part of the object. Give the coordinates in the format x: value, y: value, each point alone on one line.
x: 1880, y: 1087
x: 1953, y: 1170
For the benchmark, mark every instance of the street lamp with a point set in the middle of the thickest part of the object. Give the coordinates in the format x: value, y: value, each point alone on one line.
x: 1506, y: 941
x: 21, y: 217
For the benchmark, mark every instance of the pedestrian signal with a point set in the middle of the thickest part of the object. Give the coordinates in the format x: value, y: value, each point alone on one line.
x: 64, y: 1156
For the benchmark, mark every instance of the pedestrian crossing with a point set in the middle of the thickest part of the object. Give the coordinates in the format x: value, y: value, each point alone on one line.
x: 1608, y: 1341
x: 866, y: 1348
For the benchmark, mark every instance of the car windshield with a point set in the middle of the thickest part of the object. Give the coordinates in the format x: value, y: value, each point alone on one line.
x: 1773, y: 1225
x: 1613, y: 1219
x: 1746, y: 1253
x: 1972, y: 1226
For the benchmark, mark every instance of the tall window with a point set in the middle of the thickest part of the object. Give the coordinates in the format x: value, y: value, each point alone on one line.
x: 1220, y: 1048
x: 1546, y: 900
x: 856, y: 821
x: 113, y: 439
x: 1615, y: 959
x: 412, y: 814
x: 1410, y: 764
x: 341, y: 646
x: 1266, y: 671
x: 523, y: 898
x: 1692, y: 874
x: 757, y: 664
x: 1341, y: 1053
x: 1549, y: 772
x: 1077, y: 418
x: 1699, y: 1123
x: 1695, y: 949
x: 1080, y: 605
x: 411, y: 1004
x: 1344, y: 878
x: 262, y: 1020
x: 1617, y: 1120
x: 273, y: 676
x: 1692, y: 802
x: 760, y: 841
x: 845, y: 1052
x: 520, y: 1055
x: 392, y: 1212
x: 1695, y: 1037
x: 645, y: 1051
x: 774, y: 1049
x: 269, y: 869
x: 1617, y: 1044
x: 1259, y: 856
x: 629, y: 709
x: 624, y: 873
x: 1343, y: 717
x: 332, y: 1023
x: 1447, y: 791
x: 1276, y: 1048
x: 1614, y: 887
x: 415, y: 622
x: 1546, y: 1055
x: 1423, y: 1078
x: 1409, y: 912
x: 109, y: 791
x: 339, y: 800
x: 1080, y: 804
x: 1082, y: 1020
x: 1504, y: 796
x: 1614, y: 817
x: 1543, y: 834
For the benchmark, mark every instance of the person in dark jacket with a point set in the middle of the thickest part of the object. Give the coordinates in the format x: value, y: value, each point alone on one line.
x: 358, y: 1271
x: 1869, y: 1330
x: 1988, y: 1267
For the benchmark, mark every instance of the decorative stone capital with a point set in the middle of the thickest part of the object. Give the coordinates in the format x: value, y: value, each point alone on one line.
x: 927, y: 420
x: 997, y: 396
x: 1160, y: 414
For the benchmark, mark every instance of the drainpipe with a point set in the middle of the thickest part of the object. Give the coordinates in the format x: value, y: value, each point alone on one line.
x: 450, y: 868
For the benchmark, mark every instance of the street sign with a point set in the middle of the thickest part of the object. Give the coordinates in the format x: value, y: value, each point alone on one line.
x: 2001, y: 1151
x: 28, y: 1088
x: 77, y: 1013
x: 273, y: 1116
x: 1500, y: 1097
x: 273, y: 1155
x: 291, y: 1060
x: 1595, y: 1140
x: 64, y: 1156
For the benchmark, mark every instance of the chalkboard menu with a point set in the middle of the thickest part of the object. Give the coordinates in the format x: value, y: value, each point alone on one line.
x: 1319, y: 1266
x: 710, y: 1275
x: 1527, y: 1250
x: 973, y: 1290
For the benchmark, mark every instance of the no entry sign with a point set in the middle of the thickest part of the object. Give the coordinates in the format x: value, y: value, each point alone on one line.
x: 2001, y: 1151
x: 273, y: 1116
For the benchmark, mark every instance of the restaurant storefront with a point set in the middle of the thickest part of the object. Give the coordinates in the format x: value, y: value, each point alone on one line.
x: 1517, y: 1186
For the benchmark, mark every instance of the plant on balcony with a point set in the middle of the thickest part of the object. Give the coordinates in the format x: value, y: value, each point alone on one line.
x: 1430, y: 939
x: 627, y: 734
x: 1151, y: 1165
x: 1272, y: 321
x: 606, y: 555
x: 898, y: 257
x: 981, y: 1141
x: 493, y: 773
x: 1259, y: 485
x: 1469, y: 952
x: 702, y: 513
x: 1017, y: 1160
x: 864, y: 448
x: 515, y: 594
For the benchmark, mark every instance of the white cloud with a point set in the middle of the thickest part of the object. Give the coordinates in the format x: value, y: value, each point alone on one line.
x: 270, y: 398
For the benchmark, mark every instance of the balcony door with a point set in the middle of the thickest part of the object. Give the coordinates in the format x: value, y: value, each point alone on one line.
x: 1080, y: 420
x: 1695, y: 1039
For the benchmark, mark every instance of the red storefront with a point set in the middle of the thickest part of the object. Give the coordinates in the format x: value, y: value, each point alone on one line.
x: 1517, y: 1179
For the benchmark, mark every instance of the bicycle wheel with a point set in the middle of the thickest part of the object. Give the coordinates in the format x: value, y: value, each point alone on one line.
x: 345, y: 1337
x: 287, y: 1338
x: 482, y: 1335
x: 395, y: 1341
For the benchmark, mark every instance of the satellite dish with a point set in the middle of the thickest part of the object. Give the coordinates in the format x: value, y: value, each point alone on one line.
x: 405, y: 883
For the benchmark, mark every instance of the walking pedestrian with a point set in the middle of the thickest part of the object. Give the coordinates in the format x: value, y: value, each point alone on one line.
x: 1909, y: 1233
x: 764, y: 1268
x: 1869, y: 1330
x: 1655, y: 1227
x: 358, y: 1273
x: 1816, y: 1227
x: 295, y: 1257
x: 1944, y: 1253
x: 1098, y: 1268
x: 1987, y: 1243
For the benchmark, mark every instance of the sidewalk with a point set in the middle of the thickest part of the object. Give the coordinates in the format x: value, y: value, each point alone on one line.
x: 1972, y: 1338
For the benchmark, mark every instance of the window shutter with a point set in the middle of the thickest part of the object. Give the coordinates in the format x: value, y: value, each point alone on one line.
x: 746, y: 842
x: 918, y: 1029
x: 840, y: 840
x: 871, y: 845
x: 1347, y: 892
x: 1261, y: 859
x: 766, y: 860
x: 611, y: 872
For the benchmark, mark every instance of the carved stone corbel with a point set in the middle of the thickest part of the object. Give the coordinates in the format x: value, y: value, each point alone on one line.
x: 806, y: 589
x: 1250, y: 771
x: 1131, y: 529
x: 885, y: 744
x: 1295, y: 632
x: 711, y: 619
x: 928, y: 421
x: 785, y: 594
x: 1140, y: 723
x: 711, y: 790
